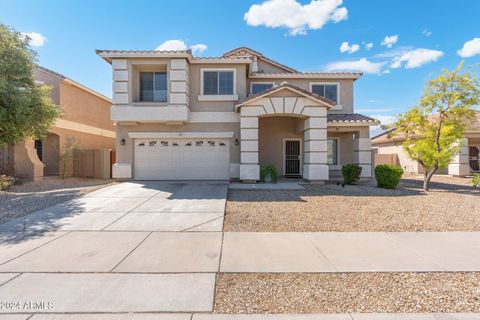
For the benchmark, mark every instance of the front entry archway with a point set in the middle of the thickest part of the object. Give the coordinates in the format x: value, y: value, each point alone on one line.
x: 285, y: 100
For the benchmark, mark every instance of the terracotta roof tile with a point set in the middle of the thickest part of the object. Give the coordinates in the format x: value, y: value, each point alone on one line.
x: 350, y: 118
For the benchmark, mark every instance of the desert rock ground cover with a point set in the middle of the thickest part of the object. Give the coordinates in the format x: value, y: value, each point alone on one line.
x: 347, y: 293
x: 451, y: 205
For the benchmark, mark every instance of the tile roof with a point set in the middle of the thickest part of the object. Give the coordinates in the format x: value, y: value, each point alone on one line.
x: 101, y: 51
x: 350, y: 118
x: 286, y: 84
x: 56, y: 74
x: 331, y: 75
x: 261, y: 56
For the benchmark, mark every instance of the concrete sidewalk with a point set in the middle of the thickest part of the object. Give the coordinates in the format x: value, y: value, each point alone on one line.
x: 350, y: 252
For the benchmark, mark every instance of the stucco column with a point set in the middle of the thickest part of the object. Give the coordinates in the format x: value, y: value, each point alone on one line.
x: 362, y: 150
x: 249, y: 165
x: 26, y: 162
x: 315, y: 166
x: 459, y: 165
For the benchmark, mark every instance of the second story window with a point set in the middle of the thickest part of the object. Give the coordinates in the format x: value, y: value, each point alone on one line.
x: 259, y: 87
x: 218, y: 83
x: 153, y: 86
x: 329, y: 91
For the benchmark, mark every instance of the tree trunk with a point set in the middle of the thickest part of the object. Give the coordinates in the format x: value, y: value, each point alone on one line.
x: 427, y: 177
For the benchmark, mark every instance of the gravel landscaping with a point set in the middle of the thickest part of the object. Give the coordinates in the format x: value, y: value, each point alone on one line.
x: 451, y: 205
x: 28, y: 197
x: 347, y: 293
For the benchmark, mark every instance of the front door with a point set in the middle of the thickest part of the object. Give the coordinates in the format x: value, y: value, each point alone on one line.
x: 292, y: 158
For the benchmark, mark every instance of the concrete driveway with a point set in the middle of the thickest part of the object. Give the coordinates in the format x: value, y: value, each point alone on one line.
x: 159, y: 240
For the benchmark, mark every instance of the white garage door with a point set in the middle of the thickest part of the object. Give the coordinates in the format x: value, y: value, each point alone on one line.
x: 182, y: 159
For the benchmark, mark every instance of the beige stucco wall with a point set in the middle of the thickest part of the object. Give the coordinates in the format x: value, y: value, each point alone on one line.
x: 83, y: 107
x: 267, y: 67
x: 125, y: 153
x: 271, y: 134
x: 195, y: 85
x: 345, y: 146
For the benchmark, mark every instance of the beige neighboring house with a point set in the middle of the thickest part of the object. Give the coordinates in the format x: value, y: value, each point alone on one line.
x: 389, y: 150
x: 180, y: 117
x: 85, y: 117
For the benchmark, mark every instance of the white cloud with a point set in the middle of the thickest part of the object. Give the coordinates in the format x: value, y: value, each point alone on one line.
x: 416, y: 58
x: 362, y: 65
x: 389, y: 41
x: 178, y: 45
x: 35, y: 39
x: 470, y: 48
x: 345, y: 47
x: 426, y: 33
x: 294, y: 16
x: 198, y: 48
x: 172, y: 45
x: 384, y: 119
x: 368, y: 46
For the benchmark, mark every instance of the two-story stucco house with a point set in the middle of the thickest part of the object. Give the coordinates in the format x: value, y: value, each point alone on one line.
x: 180, y: 117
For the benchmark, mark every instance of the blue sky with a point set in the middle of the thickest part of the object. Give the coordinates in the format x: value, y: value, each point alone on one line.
x: 305, y: 35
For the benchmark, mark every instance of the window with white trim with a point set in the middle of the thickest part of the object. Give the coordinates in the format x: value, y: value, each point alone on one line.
x: 328, y: 91
x: 218, y: 82
x: 260, y: 86
x: 153, y: 86
x: 332, y: 151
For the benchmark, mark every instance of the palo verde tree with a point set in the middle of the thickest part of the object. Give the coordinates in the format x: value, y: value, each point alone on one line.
x: 434, y: 127
x: 26, y: 110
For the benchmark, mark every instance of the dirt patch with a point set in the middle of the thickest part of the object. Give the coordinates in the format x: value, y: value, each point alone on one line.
x: 451, y: 205
x: 347, y: 293
x: 25, y: 198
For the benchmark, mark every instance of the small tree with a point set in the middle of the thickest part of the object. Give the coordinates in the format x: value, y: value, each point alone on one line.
x: 26, y: 110
x: 433, y: 128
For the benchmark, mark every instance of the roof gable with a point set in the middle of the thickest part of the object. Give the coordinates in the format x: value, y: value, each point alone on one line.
x: 247, y: 52
x: 289, y: 87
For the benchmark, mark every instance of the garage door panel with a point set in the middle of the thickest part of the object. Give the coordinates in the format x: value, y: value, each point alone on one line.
x: 181, y: 159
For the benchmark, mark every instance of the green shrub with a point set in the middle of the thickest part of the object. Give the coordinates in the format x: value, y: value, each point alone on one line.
x: 269, y: 171
x: 351, y: 173
x: 388, y: 176
x: 476, y: 180
x: 6, y: 182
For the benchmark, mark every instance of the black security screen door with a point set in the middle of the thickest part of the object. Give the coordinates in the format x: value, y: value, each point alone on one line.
x: 292, y: 158
x: 474, y: 159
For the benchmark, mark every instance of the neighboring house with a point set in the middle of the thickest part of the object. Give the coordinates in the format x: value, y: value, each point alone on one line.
x: 85, y: 117
x: 390, y: 149
x: 180, y: 117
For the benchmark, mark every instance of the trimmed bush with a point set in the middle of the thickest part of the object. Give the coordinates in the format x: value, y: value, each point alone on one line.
x: 268, y: 173
x: 476, y: 180
x: 388, y: 176
x: 351, y: 173
x: 6, y: 182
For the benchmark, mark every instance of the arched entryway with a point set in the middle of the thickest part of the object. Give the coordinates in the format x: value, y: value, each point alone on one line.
x: 280, y: 143
x: 284, y: 101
